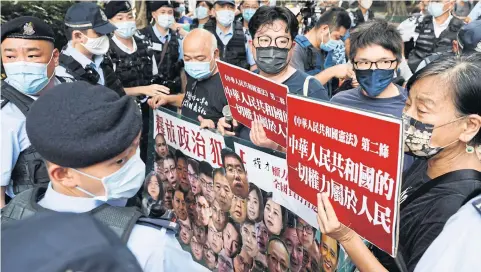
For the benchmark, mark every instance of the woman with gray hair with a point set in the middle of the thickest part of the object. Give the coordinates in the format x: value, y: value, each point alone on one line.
x: 442, y: 120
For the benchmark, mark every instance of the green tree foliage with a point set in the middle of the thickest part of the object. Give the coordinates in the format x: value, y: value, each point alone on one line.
x: 52, y: 12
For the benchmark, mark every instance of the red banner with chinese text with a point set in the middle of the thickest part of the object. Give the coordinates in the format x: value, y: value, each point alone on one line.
x: 354, y: 156
x: 252, y: 97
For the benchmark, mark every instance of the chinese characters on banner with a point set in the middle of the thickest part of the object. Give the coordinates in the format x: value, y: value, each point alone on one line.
x: 252, y: 97
x: 194, y: 142
x: 353, y: 156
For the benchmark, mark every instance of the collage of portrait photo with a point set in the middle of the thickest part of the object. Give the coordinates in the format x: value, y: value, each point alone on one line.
x: 226, y: 221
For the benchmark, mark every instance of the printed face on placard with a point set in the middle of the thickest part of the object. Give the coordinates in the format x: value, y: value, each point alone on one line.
x: 242, y: 262
x: 238, y: 209
x: 260, y: 263
x: 179, y: 205
x: 223, y: 193
x: 273, y: 217
x: 186, y: 231
x: 225, y: 263
x: 207, y: 184
x: 168, y: 195
x: 277, y: 256
x: 329, y: 253
x: 200, y: 232
x: 305, y: 232
x: 170, y: 172
x: 182, y: 174
x: 194, y: 181
x: 262, y: 236
x: 219, y: 217
x: 294, y: 246
x: 232, y: 240
x: 254, y: 205
x: 197, y: 248
x: 204, y: 211
x: 313, y: 258
x: 161, y: 147
x: 209, y: 257
x: 249, y: 241
x: 153, y: 187
x: 214, y: 238
x: 236, y: 176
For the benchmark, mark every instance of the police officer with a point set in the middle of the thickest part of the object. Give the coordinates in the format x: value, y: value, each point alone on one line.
x: 362, y: 13
x: 29, y: 58
x: 231, y: 40
x: 435, y: 33
x: 93, y: 161
x: 84, y: 57
x: 132, y: 62
x: 166, y: 46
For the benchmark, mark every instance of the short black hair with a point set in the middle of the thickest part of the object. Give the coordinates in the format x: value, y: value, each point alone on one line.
x: 376, y: 32
x: 335, y: 18
x: 218, y: 171
x: 205, y: 168
x: 267, y: 15
x: 208, y: 3
x: 459, y: 75
x: 179, y: 155
x: 228, y: 153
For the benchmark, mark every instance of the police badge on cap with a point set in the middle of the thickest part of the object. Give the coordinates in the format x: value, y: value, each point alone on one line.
x: 27, y: 27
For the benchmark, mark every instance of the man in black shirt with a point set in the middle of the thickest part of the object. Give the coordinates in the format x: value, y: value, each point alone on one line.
x: 204, y: 97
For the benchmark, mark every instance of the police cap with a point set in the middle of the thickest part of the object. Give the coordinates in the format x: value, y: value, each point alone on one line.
x: 27, y: 27
x: 469, y: 37
x: 77, y: 125
x: 86, y: 15
x: 155, y: 5
x: 114, y: 7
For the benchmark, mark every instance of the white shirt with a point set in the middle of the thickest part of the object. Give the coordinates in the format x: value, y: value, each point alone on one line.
x: 458, y: 246
x: 14, y: 140
x: 83, y: 60
x: 155, y: 250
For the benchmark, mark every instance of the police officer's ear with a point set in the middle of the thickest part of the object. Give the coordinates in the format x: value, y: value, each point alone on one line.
x: 55, y: 56
x: 62, y: 175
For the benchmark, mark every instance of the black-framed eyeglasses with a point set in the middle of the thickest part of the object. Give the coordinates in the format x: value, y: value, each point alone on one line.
x: 280, y: 42
x: 380, y: 64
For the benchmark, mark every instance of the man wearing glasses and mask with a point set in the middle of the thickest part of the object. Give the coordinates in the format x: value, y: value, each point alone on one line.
x: 376, y: 52
x: 273, y: 30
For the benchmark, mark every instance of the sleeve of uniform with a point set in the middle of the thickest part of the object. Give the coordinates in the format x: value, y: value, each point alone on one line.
x: 14, y: 140
x: 476, y: 12
x: 297, y: 60
x: 159, y: 250
x: 250, y: 57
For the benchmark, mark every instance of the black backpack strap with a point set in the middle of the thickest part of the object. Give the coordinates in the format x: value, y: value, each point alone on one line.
x: 74, y: 68
x: 23, y: 205
x: 121, y: 220
x: 159, y: 223
x: 456, y: 175
x: 20, y: 100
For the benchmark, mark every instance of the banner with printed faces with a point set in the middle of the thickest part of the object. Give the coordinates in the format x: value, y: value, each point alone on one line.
x: 233, y: 203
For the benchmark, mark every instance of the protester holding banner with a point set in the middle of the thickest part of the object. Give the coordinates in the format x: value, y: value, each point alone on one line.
x: 273, y: 30
x: 376, y: 50
x: 436, y: 188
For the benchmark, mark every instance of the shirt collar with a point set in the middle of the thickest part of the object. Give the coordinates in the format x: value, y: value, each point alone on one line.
x: 157, y: 33
x: 62, y: 203
x: 123, y: 47
x: 81, y: 58
x: 445, y: 24
x: 220, y: 33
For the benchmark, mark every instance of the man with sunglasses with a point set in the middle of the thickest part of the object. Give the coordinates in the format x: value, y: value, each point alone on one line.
x: 376, y: 52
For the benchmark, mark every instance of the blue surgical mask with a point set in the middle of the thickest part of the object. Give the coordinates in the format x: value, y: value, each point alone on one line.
x: 436, y: 9
x: 374, y: 82
x: 165, y: 20
x: 202, y: 12
x: 126, y: 29
x: 225, y: 17
x: 248, y: 13
x: 331, y: 45
x: 28, y: 77
x: 122, y: 184
x: 181, y: 9
x: 198, y: 70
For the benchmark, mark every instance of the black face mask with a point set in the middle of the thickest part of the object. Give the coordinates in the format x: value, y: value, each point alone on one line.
x: 271, y: 60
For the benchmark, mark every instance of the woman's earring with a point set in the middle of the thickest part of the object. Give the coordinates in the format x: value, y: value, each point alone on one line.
x: 469, y: 149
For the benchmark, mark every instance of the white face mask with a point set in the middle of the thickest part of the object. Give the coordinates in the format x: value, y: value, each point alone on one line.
x: 225, y: 17
x: 126, y: 29
x: 165, y: 20
x: 122, y: 184
x: 97, y: 46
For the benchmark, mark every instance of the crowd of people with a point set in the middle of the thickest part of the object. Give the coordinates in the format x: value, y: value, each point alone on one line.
x: 76, y: 125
